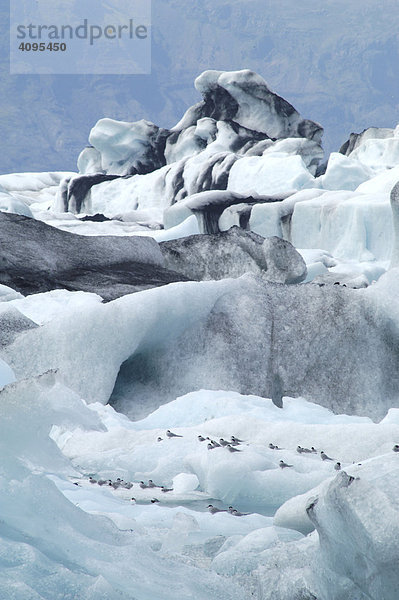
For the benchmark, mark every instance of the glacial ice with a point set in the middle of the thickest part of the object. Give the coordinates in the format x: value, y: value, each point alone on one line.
x: 7, y: 293
x: 124, y: 327
x: 353, y: 226
x: 12, y: 204
x: 270, y: 174
x: 249, y: 545
x: 6, y: 374
x: 43, y: 308
x: 39, y: 258
x: 243, y: 96
x: 232, y: 254
x: 378, y: 155
x: 149, y: 347
x: 126, y: 148
x: 260, y: 360
x: 344, y: 173
x: 12, y: 323
x: 51, y: 546
x: 239, y: 119
x: 210, y: 208
x: 371, y: 133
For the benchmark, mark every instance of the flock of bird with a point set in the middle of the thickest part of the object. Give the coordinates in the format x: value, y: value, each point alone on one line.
x: 127, y: 485
x: 233, y: 511
x: 302, y: 450
x: 231, y: 446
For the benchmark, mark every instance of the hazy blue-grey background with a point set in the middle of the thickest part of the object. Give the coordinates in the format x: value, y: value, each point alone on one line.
x: 336, y: 61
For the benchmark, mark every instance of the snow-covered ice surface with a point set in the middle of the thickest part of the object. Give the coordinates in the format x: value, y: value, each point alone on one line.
x: 104, y: 401
x: 54, y: 548
x: 242, y: 548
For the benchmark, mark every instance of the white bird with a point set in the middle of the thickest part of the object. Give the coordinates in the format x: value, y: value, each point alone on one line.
x: 231, y: 449
x: 237, y: 513
x: 337, y: 466
x: 172, y: 435
x: 213, y: 510
x: 284, y: 465
x: 324, y: 456
x: 301, y: 450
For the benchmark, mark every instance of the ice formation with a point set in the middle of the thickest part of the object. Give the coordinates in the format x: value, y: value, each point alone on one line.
x: 40, y: 258
x: 234, y: 253
x: 199, y: 336
x: 243, y: 97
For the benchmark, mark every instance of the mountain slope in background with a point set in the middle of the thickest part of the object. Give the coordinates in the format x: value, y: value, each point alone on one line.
x: 336, y: 62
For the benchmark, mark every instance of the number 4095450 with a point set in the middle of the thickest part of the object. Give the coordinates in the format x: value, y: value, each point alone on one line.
x: 42, y: 47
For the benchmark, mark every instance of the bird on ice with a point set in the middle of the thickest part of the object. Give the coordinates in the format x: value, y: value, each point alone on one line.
x: 223, y: 442
x: 211, y: 446
x: 301, y: 450
x: 92, y: 480
x: 284, y: 465
x: 231, y: 449
x: 213, y: 510
x: 324, y: 456
x: 165, y: 489
x: 172, y: 435
x: 337, y: 466
x: 237, y: 513
x: 396, y: 448
x: 273, y: 447
x: 151, y: 484
x: 201, y: 438
x: 236, y: 439
x: 143, y: 485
